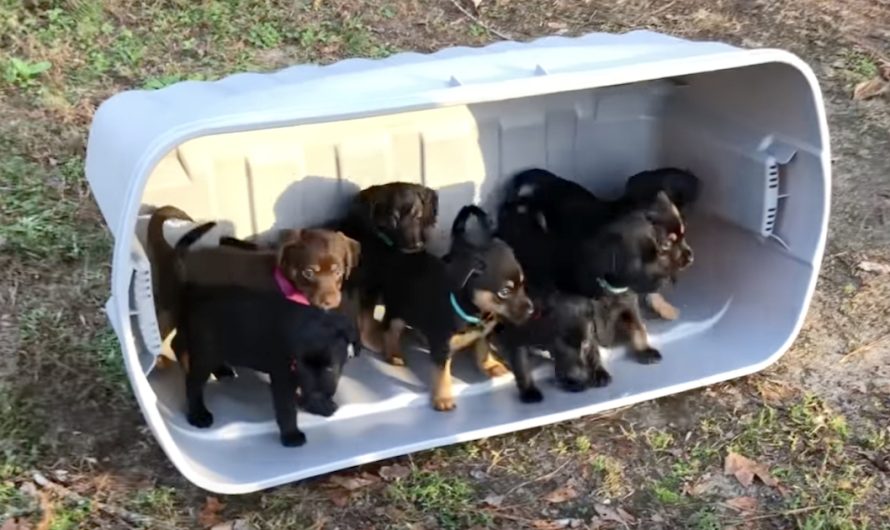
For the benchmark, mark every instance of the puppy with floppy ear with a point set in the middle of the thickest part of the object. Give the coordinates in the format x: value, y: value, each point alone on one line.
x: 454, y: 302
x: 562, y: 323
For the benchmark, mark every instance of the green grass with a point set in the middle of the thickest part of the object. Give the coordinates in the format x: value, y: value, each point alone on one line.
x: 451, y: 500
x: 69, y: 516
x: 41, y: 212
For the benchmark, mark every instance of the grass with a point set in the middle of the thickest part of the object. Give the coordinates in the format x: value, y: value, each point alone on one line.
x: 451, y: 500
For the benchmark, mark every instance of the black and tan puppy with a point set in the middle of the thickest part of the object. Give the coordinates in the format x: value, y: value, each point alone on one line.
x: 301, y: 347
x: 562, y: 323
x: 388, y: 220
x: 574, y: 214
x: 456, y: 301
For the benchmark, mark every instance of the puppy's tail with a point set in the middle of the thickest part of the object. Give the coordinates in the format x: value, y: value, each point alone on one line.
x: 528, y: 184
x: 157, y: 244
x: 459, y: 228
x: 193, y: 236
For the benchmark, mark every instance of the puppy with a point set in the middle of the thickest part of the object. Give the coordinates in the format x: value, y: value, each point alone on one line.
x: 682, y: 188
x: 627, y: 258
x: 301, y: 347
x: 455, y: 301
x: 314, y: 262
x: 388, y: 220
x: 562, y: 323
x: 162, y: 258
x: 572, y: 212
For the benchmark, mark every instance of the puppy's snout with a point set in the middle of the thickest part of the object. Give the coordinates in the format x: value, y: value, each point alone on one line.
x: 328, y: 300
x: 529, y: 308
x: 686, y: 255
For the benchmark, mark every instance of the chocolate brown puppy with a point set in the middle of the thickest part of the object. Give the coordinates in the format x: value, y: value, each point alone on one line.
x: 456, y: 301
x: 315, y: 262
x: 163, y: 277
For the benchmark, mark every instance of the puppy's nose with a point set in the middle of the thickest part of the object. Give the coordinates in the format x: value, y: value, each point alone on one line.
x: 530, y: 310
x: 329, y: 301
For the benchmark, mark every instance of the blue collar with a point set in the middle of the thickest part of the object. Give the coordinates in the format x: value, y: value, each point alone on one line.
x: 608, y: 287
x: 463, y: 314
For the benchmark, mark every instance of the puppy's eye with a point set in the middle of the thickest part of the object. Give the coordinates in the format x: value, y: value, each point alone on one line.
x: 309, y: 274
x: 505, y: 293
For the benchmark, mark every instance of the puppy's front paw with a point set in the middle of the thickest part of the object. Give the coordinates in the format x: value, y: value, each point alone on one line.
x: 293, y: 439
x: 662, y: 307
x: 444, y: 404
x: 200, y: 418
x: 396, y: 360
x: 496, y: 369
x: 531, y: 395
x: 599, y: 377
x: 574, y: 380
x: 322, y: 407
x: 648, y: 356
x: 223, y: 372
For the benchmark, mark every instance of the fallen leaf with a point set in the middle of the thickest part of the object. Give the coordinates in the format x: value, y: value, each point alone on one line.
x: 494, y: 501
x: 562, y: 494
x: 209, y: 514
x: 394, y: 472
x: 476, y: 4
x: 743, y: 504
x: 339, y: 496
x: 871, y: 88
x: 617, y: 515
x: 744, y: 469
x: 354, y: 483
x: 872, y: 266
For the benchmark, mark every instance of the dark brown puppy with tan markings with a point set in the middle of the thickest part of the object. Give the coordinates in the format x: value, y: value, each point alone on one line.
x: 388, y: 220
x: 456, y: 301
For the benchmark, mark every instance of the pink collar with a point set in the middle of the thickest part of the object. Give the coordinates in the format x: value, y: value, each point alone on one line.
x: 288, y: 289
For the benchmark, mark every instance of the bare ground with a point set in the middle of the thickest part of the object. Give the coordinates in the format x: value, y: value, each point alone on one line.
x: 817, y: 420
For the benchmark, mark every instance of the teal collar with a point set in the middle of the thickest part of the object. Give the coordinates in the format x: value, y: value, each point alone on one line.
x: 385, y: 238
x: 463, y: 314
x: 608, y: 287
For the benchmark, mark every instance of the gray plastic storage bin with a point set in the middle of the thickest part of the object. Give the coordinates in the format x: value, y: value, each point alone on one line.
x: 288, y: 148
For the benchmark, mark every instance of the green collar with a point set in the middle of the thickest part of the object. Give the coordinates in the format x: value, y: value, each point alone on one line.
x: 608, y: 287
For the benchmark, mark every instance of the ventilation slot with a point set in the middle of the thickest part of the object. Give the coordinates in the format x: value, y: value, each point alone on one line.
x: 143, y: 302
x: 772, y: 202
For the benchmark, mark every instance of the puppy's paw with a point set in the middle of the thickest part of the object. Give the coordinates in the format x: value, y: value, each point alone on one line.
x: 200, y: 418
x: 664, y: 309
x: 599, y: 377
x: 531, y: 395
x: 223, y: 372
x: 396, y: 360
x: 293, y: 439
x: 444, y: 404
x: 648, y: 356
x: 575, y: 380
x: 322, y: 407
x: 496, y: 369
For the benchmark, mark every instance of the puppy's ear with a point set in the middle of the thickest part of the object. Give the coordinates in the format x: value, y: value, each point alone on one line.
x: 289, y: 236
x: 353, y: 252
x: 430, y: 200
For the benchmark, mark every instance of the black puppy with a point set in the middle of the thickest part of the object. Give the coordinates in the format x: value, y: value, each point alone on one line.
x: 562, y: 323
x: 387, y: 220
x: 454, y: 302
x: 301, y: 347
x: 574, y: 214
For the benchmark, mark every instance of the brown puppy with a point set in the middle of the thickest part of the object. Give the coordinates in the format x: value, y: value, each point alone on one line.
x: 314, y: 261
x: 163, y: 279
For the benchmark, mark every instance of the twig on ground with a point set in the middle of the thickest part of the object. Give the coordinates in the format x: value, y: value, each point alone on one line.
x: 538, y: 479
x: 479, y: 21
x: 786, y: 513
x: 134, y: 519
x: 865, y: 347
x: 657, y: 12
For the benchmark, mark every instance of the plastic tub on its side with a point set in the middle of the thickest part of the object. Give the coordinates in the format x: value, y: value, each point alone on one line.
x: 288, y: 148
